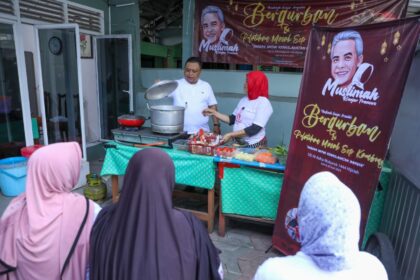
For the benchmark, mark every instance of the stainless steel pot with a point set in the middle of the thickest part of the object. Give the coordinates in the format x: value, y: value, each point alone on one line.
x: 167, y: 119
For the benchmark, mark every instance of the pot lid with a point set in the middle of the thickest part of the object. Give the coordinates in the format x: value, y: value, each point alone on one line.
x: 160, y: 89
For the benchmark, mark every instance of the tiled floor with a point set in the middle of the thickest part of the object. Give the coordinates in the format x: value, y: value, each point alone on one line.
x: 243, y: 247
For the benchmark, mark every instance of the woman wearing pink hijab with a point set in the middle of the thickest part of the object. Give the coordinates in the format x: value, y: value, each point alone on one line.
x: 44, y: 232
x: 250, y: 115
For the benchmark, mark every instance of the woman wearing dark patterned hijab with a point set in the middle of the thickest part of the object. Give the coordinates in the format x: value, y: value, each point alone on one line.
x: 143, y: 236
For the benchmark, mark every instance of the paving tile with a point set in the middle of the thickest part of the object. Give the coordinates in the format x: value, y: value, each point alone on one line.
x: 226, y: 247
x: 245, y: 278
x: 250, y: 255
x: 230, y: 259
x: 232, y: 244
x: 239, y: 236
x: 215, y: 236
x: 231, y: 276
x: 232, y: 266
x: 249, y: 266
x: 260, y: 243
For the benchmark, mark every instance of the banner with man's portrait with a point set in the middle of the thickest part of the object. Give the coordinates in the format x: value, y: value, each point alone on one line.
x: 350, y: 92
x: 276, y: 32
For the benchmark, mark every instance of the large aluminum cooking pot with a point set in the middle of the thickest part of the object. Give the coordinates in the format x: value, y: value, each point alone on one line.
x: 167, y: 119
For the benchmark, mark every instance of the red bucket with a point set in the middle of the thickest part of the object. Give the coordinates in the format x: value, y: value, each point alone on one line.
x: 28, y: 151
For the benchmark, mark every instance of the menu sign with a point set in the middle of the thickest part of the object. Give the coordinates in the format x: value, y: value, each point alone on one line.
x: 351, y: 89
x: 276, y: 32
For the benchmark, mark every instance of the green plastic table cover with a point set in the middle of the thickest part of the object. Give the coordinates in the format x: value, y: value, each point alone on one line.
x: 190, y: 169
x: 251, y: 192
x: 254, y: 192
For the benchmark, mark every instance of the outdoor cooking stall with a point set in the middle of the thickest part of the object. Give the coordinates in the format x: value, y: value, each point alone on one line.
x: 247, y: 189
x: 195, y: 167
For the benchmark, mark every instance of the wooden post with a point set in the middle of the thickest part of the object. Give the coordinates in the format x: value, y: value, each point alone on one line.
x: 115, y: 189
x: 210, y: 210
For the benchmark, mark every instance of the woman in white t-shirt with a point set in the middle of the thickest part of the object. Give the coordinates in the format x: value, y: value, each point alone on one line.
x: 326, y: 223
x: 251, y: 114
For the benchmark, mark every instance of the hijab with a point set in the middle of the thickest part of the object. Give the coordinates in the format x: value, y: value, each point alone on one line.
x: 329, y: 219
x: 257, y: 84
x: 39, y: 227
x: 143, y: 236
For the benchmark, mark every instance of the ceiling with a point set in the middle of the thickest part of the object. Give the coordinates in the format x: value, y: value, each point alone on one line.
x: 160, y: 16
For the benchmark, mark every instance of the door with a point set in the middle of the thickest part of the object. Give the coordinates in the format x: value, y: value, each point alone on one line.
x: 115, y: 86
x: 59, y: 83
x: 15, y: 128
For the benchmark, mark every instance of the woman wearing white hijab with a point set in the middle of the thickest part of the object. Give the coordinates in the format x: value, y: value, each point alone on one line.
x: 328, y: 219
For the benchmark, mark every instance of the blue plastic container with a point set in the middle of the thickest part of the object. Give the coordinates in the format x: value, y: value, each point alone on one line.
x: 13, y: 175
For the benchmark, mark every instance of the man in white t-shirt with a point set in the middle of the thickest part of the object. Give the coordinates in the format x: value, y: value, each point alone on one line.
x: 195, y: 95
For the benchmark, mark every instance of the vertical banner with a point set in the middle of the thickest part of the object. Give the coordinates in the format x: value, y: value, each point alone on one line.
x: 276, y: 32
x: 351, y: 89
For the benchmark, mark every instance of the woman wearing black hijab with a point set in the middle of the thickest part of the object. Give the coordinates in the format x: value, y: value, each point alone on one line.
x: 143, y: 236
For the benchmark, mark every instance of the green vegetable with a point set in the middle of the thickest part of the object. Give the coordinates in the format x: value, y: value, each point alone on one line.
x: 279, y: 150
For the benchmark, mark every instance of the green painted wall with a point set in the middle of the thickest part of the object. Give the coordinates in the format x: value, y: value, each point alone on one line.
x: 188, y: 9
x: 165, y: 56
x: 154, y: 49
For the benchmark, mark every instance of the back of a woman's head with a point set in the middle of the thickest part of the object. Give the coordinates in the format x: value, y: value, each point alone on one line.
x: 55, y: 167
x: 149, y: 166
x: 329, y: 220
x: 257, y: 84
x: 150, y: 176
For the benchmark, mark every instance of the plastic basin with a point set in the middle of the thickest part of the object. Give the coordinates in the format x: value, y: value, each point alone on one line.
x: 12, y: 175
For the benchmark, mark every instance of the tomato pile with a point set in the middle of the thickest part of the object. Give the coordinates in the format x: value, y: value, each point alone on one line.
x: 205, y: 138
x: 226, y: 152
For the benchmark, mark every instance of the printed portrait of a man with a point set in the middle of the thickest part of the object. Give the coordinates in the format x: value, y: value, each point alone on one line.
x: 347, y: 66
x: 346, y: 56
x: 215, y: 34
x: 212, y: 23
x: 349, y: 73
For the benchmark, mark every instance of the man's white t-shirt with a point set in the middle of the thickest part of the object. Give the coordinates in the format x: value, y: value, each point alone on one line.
x: 194, y: 98
x: 256, y: 111
x: 302, y: 267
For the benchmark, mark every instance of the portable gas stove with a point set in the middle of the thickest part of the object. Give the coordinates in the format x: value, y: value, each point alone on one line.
x: 145, y: 136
